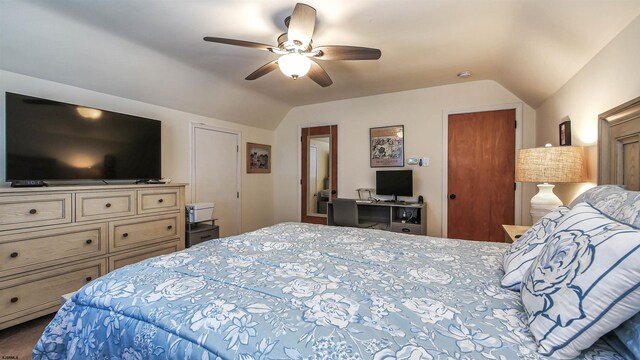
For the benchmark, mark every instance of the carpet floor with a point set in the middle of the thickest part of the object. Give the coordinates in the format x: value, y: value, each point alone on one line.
x: 17, y: 342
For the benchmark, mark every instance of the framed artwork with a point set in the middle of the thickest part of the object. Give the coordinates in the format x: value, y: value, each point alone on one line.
x: 387, y: 146
x: 258, y: 158
x: 565, y: 133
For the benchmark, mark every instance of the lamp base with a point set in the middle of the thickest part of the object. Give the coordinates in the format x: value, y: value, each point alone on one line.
x: 543, y: 202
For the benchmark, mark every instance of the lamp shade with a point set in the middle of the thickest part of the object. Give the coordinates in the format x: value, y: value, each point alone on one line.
x: 563, y: 164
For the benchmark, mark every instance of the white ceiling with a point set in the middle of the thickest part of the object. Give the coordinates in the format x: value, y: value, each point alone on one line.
x: 153, y: 51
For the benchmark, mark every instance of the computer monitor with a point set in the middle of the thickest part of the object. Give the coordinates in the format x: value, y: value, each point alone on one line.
x: 394, y: 182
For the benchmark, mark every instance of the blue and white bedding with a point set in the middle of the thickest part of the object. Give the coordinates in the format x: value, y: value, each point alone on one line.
x: 298, y: 291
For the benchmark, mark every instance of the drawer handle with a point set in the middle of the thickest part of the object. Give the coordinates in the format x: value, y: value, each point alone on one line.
x: 89, y: 241
x: 14, y: 300
x: 14, y: 255
x: 160, y: 200
x: 89, y: 278
x: 406, y: 230
x: 204, y: 237
x: 170, y: 227
x: 125, y: 234
x: 108, y: 205
x: 33, y: 211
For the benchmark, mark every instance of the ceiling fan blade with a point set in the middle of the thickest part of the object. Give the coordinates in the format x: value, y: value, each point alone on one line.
x: 263, y: 70
x: 302, y: 24
x: 317, y: 74
x: 248, y: 44
x: 340, y: 52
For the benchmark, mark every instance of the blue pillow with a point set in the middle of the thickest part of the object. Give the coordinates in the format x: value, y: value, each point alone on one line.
x: 596, y: 193
x: 584, y: 283
x: 626, y: 338
x: 519, y: 256
x: 613, y: 201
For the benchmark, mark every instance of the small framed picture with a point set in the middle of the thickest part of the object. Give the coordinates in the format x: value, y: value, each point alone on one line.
x: 387, y: 146
x: 565, y: 133
x: 258, y: 158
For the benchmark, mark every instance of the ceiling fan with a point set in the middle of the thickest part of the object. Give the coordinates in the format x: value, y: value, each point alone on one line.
x: 296, y: 49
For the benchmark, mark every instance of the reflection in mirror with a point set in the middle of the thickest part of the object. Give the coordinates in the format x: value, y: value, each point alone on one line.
x: 319, y: 175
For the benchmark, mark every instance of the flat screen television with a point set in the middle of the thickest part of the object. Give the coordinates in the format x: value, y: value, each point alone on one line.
x: 56, y: 141
x: 394, y: 182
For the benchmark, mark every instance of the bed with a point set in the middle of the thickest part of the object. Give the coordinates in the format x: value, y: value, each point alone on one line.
x: 294, y: 291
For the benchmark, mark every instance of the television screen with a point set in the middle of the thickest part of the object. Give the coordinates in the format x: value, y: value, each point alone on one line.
x: 50, y: 140
x: 394, y: 182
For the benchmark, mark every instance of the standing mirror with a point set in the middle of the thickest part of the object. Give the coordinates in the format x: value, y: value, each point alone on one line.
x: 319, y: 189
x: 319, y: 172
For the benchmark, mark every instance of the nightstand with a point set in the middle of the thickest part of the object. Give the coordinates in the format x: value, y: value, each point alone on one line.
x: 200, y: 232
x: 513, y: 232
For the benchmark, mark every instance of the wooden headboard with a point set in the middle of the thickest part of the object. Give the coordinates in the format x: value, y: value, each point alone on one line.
x: 619, y: 146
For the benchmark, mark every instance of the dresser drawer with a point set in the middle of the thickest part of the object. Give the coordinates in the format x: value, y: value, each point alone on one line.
x: 34, y: 249
x: 36, y: 210
x: 156, y: 200
x: 132, y: 257
x: 126, y: 234
x: 101, y: 205
x: 41, y: 291
x: 407, y: 228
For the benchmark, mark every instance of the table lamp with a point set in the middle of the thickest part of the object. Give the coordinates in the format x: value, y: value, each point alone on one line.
x: 562, y: 164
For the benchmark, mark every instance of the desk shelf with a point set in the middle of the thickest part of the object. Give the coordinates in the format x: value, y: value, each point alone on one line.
x: 389, y: 216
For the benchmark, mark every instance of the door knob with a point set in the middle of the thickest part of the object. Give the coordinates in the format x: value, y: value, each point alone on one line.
x: 452, y: 196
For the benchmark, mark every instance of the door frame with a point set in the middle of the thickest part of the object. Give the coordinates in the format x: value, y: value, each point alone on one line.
x: 445, y: 156
x: 192, y: 163
x: 299, y: 179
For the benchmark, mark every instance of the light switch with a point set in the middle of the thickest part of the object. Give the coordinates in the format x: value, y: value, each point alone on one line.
x: 425, y: 161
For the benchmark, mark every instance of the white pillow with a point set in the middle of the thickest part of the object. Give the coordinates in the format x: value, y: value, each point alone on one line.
x: 584, y: 283
x: 522, y: 252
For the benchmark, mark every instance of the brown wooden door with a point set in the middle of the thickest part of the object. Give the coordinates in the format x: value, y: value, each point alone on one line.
x: 307, y: 135
x: 481, y: 174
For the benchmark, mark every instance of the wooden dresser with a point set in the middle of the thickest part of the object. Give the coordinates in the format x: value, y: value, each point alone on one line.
x: 55, y: 240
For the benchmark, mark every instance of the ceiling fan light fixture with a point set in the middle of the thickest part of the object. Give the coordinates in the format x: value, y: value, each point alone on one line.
x: 294, y: 65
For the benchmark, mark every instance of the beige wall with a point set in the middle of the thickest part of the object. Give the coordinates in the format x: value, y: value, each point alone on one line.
x: 611, y: 78
x: 257, y: 197
x: 420, y: 111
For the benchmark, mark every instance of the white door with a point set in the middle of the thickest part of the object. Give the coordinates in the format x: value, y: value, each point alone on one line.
x: 216, y: 175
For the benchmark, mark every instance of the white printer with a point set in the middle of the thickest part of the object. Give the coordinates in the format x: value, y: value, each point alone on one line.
x: 198, y: 212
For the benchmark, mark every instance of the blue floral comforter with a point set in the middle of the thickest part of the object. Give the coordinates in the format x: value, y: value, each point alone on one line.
x: 298, y: 291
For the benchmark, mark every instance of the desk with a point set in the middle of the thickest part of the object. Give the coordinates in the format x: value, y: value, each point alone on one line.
x: 388, y: 215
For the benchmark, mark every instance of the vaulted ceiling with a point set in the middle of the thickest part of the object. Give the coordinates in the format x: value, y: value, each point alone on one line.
x: 153, y: 51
